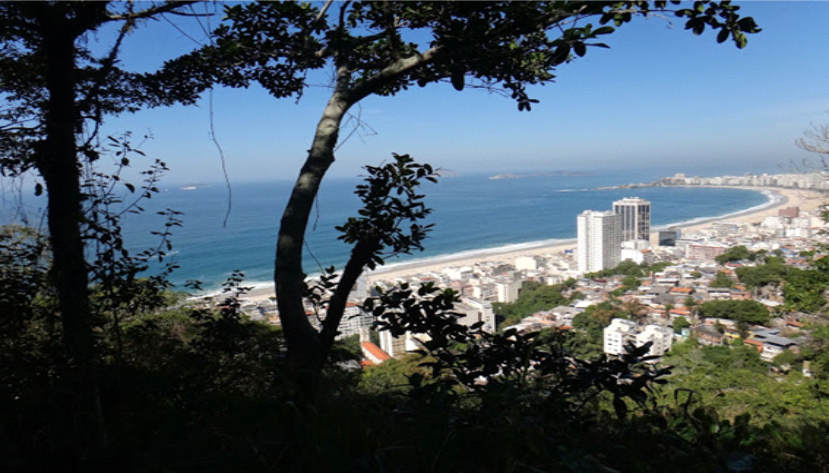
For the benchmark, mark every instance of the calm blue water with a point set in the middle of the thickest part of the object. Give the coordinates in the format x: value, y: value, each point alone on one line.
x: 470, y: 212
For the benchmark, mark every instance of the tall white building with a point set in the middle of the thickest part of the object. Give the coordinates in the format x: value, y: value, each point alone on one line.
x: 636, y: 218
x: 599, y: 240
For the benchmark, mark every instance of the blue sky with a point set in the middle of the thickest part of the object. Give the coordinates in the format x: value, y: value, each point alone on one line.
x: 660, y: 97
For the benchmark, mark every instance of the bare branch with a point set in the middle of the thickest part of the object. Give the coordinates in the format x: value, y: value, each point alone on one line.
x: 343, y: 9
x: 815, y: 140
x: 322, y: 12
x: 169, y: 7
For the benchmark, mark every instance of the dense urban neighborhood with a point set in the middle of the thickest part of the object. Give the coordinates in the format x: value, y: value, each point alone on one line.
x: 724, y: 283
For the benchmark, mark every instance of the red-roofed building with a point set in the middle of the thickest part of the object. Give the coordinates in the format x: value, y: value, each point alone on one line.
x: 754, y: 343
x: 682, y: 291
x: 680, y: 312
x: 373, y: 353
x: 793, y: 322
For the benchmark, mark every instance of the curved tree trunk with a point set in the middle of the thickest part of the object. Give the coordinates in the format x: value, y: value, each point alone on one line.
x: 306, y: 352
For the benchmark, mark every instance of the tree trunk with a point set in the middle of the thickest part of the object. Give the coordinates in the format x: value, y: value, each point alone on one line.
x: 306, y: 352
x: 58, y: 163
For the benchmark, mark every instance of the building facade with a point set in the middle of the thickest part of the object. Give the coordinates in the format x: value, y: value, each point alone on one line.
x: 669, y: 237
x: 599, y: 240
x: 475, y: 310
x: 636, y: 218
x: 622, y: 332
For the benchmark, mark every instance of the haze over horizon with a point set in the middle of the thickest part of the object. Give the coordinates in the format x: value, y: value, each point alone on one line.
x: 660, y: 97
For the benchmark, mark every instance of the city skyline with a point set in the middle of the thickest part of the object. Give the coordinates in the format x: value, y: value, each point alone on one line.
x: 660, y: 97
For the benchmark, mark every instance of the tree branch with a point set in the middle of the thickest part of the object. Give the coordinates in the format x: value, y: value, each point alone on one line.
x: 393, y: 70
x: 321, y: 14
x: 168, y: 7
x: 360, y: 256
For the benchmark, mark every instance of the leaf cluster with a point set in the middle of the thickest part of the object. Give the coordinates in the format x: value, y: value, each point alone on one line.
x: 773, y: 272
x: 721, y: 279
x: 534, y: 298
x: 805, y: 290
x: 747, y: 311
x: 628, y: 268
x: 121, y: 287
x: 739, y: 253
x: 388, y: 222
x: 473, y: 365
x: 101, y: 87
x: 503, y: 46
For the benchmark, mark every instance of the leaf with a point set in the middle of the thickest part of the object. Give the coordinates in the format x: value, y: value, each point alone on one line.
x: 38, y: 189
x: 130, y: 187
x: 457, y: 80
x: 741, y: 40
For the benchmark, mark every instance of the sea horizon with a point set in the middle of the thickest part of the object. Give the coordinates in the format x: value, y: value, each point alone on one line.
x: 473, y: 215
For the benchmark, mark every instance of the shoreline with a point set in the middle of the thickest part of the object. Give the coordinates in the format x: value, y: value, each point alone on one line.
x: 806, y: 200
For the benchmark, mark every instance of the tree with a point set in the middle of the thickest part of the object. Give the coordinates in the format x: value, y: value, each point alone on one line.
x: 747, y: 311
x: 630, y: 281
x: 725, y: 358
x: 501, y: 46
x: 533, y: 298
x: 735, y: 253
x: 805, y: 290
x: 691, y: 304
x: 634, y: 310
x: 680, y: 323
x: 771, y: 273
x: 56, y: 93
x: 815, y: 140
x: 721, y: 280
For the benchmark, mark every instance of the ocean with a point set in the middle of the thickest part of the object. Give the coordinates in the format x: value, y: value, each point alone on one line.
x: 471, y: 212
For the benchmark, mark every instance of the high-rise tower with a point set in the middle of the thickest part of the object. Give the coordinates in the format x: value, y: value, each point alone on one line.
x: 636, y: 218
x: 599, y: 240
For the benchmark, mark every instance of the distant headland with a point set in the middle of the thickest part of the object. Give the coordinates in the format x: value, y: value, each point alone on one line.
x: 816, y: 181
